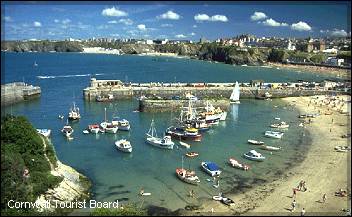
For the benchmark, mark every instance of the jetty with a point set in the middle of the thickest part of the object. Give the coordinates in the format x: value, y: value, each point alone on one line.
x: 159, y: 95
x: 17, y: 92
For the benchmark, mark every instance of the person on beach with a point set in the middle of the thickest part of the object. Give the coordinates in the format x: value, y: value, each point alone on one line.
x: 304, y: 186
x: 303, y: 212
x: 294, y: 193
x: 300, y: 185
x: 324, y: 198
x: 293, y: 205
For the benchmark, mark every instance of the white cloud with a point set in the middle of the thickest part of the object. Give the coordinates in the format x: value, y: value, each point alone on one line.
x: 56, y: 21
x: 339, y: 33
x: 205, y: 17
x: 166, y: 25
x: 201, y: 17
x: 169, y: 15
x: 141, y: 27
x: 66, y: 21
x: 271, y: 22
x: 126, y: 21
x: 113, y: 12
x: 301, y: 26
x: 37, y: 24
x: 112, y: 21
x: 8, y: 19
x: 221, y: 18
x: 258, y: 16
x: 180, y: 36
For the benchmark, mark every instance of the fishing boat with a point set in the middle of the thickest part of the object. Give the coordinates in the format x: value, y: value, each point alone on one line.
x: 154, y: 140
x: 274, y: 134
x: 44, y: 132
x: 192, y: 154
x: 255, y: 142
x: 187, y: 176
x: 200, y: 125
x: 74, y: 113
x: 67, y: 130
x: 182, y: 133
x: 211, y: 168
x: 184, y: 144
x: 235, y: 95
x: 94, y: 128
x: 123, y: 145
x: 234, y: 163
x: 124, y: 125
x: 253, y: 155
x: 212, y: 115
x: 270, y: 148
x: 281, y: 125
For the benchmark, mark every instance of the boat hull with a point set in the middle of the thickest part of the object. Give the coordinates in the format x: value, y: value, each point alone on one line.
x: 157, y: 143
x: 210, y: 172
x: 185, y: 179
x: 254, y: 158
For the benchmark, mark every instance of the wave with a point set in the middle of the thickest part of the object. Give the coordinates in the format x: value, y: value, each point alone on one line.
x: 67, y: 76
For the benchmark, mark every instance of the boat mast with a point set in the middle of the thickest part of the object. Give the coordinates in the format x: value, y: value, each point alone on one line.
x: 105, y: 114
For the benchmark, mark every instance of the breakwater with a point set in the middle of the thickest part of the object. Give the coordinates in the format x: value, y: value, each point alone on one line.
x: 119, y: 90
x: 18, y: 91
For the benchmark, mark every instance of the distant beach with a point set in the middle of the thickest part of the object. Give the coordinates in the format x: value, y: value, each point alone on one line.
x: 324, y: 170
x: 337, y: 72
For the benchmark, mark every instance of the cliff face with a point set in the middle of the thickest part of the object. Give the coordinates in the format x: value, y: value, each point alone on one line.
x: 208, y: 51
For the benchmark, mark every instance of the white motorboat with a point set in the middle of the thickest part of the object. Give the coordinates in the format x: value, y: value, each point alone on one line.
x: 281, y: 125
x: 253, y: 155
x: 123, y: 145
x: 124, y: 125
x: 235, y: 95
x: 111, y: 128
x: 274, y: 134
x: 67, y: 130
x: 255, y: 142
x: 211, y: 168
x: 85, y: 132
x: 270, y: 148
x: 152, y: 139
x: 44, y: 132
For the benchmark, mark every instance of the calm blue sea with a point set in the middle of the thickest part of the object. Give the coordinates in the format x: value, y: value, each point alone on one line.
x: 117, y: 175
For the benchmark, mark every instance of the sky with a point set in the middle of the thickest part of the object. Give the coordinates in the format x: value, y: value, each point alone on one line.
x: 173, y: 20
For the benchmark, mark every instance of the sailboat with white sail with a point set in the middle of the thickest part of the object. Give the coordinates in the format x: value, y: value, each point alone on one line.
x: 235, y: 95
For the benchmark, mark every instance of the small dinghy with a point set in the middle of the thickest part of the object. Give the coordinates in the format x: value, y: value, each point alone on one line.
x: 255, y: 142
x: 253, y: 155
x: 341, y: 148
x: 234, y: 163
x: 270, y: 148
x: 85, y: 132
x: 185, y: 144
x: 192, y: 154
x: 227, y: 201
x: 274, y: 134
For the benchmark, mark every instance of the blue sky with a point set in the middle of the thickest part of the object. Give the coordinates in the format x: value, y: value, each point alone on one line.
x: 182, y: 20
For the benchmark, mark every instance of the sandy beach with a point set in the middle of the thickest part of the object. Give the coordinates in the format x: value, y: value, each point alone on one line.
x: 341, y: 73
x: 324, y: 170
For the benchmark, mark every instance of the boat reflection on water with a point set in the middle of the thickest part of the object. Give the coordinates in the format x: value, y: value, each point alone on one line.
x: 234, y: 112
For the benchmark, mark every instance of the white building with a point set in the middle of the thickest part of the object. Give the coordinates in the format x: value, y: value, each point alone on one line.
x: 334, y: 61
x: 148, y: 41
x: 330, y: 50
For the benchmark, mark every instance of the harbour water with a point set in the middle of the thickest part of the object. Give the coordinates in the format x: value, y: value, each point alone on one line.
x: 117, y: 175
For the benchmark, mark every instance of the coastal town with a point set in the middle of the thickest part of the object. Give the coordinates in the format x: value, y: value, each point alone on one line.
x: 176, y: 109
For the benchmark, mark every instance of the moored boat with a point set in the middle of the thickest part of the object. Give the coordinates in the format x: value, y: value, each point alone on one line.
x: 74, y: 113
x: 94, y: 128
x: 211, y: 168
x: 182, y: 133
x: 124, y: 125
x: 270, y: 148
x: 192, y: 154
x: 253, y: 155
x: 187, y: 176
x: 67, y: 130
x: 235, y: 95
x: 44, y: 132
x: 111, y: 128
x: 234, y: 163
x: 255, y: 142
x: 123, y: 145
x: 153, y: 139
x: 274, y: 134
x: 281, y: 125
